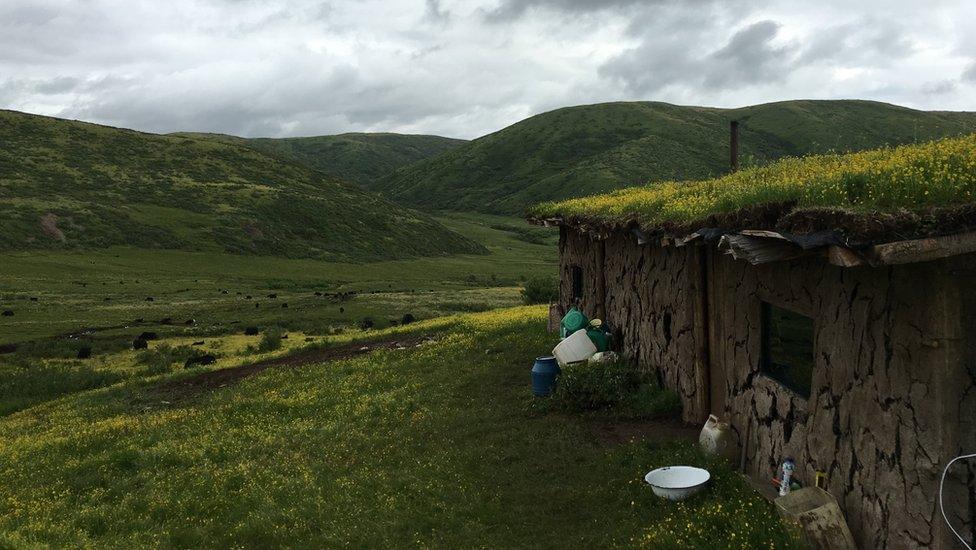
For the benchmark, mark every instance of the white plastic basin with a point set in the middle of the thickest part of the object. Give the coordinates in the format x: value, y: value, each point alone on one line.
x: 677, y: 482
x: 575, y: 348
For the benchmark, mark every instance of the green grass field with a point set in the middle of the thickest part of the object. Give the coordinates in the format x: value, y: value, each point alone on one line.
x: 106, y: 288
x: 98, y: 299
x: 433, y: 446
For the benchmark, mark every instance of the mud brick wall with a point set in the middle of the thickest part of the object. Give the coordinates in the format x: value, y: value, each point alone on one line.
x: 576, y: 249
x: 649, y: 306
x: 894, y: 386
x: 892, y: 396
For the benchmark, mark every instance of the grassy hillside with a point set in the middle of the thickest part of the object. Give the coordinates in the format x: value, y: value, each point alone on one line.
x: 72, y: 185
x: 437, y: 445
x: 593, y: 149
x: 362, y: 159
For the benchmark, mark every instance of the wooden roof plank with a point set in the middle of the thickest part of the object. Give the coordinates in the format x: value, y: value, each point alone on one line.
x: 922, y: 250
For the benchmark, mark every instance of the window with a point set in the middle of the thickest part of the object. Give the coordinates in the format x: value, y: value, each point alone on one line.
x: 577, y: 275
x: 787, y: 348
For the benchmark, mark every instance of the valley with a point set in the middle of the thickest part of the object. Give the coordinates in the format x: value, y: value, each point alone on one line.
x: 259, y: 342
x: 62, y: 302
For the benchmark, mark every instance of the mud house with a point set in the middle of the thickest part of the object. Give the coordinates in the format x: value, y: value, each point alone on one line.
x: 826, y: 307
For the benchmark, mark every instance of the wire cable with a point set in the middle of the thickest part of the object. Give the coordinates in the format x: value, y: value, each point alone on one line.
x: 942, y: 507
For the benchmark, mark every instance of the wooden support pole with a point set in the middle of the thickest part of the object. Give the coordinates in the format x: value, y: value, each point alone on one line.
x: 702, y: 365
x: 601, y: 280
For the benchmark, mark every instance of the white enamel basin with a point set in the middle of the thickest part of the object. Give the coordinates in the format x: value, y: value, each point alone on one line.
x: 677, y: 482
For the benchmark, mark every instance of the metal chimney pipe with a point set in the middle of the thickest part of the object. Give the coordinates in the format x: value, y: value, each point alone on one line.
x: 734, y: 145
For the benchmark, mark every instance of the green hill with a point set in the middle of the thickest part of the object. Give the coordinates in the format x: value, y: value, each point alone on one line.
x: 362, y: 159
x: 593, y: 149
x: 66, y: 184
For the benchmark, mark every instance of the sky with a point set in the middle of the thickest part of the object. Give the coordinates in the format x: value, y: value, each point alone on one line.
x: 464, y: 68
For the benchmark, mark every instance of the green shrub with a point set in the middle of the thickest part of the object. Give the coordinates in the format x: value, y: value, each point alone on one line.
x: 271, y: 340
x: 160, y: 359
x: 618, y: 388
x: 540, y: 290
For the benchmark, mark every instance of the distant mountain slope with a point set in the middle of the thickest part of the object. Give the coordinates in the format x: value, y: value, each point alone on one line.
x: 66, y: 184
x: 591, y: 149
x: 356, y: 158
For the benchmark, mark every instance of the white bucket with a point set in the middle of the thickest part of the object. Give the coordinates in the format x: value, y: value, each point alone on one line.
x: 574, y: 348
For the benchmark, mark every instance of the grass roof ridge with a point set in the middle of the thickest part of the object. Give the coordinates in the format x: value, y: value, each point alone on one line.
x: 922, y: 181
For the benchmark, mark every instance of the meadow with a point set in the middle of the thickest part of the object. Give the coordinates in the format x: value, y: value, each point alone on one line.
x: 65, y: 301
x: 439, y: 444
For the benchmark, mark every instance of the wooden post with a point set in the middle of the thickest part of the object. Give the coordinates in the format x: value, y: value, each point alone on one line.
x: 601, y: 280
x: 734, y: 145
x: 703, y: 386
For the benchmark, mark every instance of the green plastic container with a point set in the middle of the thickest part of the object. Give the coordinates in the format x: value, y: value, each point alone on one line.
x: 599, y: 338
x: 573, y: 320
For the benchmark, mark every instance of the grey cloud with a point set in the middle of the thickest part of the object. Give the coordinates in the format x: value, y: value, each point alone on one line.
x: 509, y: 10
x: 27, y: 15
x: 60, y: 85
x: 57, y: 85
x: 436, y: 12
x: 969, y: 74
x: 296, y: 99
x: 260, y: 104
x: 890, y: 39
x: 940, y: 87
x: 867, y: 40
x: 293, y: 67
x: 749, y: 57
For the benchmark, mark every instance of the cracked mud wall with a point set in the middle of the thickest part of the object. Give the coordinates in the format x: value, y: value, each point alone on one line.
x: 649, y: 304
x: 894, y: 386
x: 891, y: 398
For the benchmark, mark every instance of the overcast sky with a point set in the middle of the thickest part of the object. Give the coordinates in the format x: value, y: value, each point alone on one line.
x: 464, y: 68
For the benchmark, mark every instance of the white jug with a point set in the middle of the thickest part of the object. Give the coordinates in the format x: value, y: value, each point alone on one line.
x: 718, y: 439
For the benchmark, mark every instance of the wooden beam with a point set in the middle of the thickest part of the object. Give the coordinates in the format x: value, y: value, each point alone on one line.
x: 763, y: 234
x: 842, y: 256
x: 921, y: 250
x: 682, y: 241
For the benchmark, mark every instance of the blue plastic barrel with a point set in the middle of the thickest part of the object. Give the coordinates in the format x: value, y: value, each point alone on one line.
x: 544, y: 373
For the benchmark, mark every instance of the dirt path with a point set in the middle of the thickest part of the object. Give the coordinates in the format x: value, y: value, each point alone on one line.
x: 210, y: 380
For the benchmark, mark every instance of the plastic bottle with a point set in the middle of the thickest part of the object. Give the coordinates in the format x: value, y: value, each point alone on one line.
x: 784, y: 484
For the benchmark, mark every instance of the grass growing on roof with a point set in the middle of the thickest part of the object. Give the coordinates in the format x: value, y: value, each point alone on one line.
x: 937, y: 173
x: 433, y: 446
